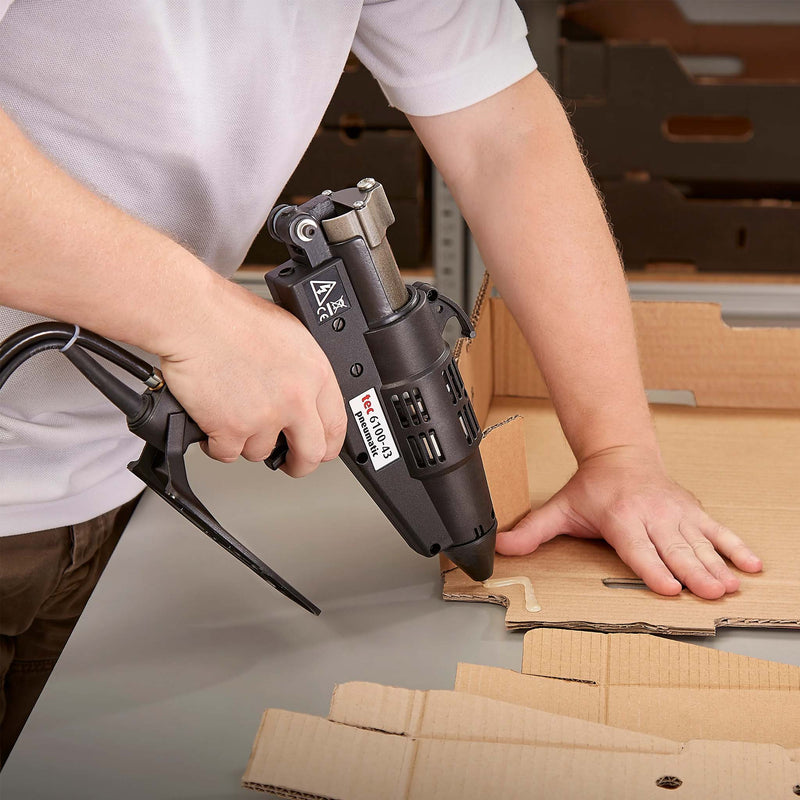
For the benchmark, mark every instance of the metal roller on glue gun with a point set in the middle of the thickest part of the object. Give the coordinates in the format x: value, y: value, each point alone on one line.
x: 412, y: 437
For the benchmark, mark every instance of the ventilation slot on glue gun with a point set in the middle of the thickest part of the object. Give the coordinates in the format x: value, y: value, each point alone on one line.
x: 469, y: 424
x: 426, y: 449
x: 410, y: 408
x: 453, y: 382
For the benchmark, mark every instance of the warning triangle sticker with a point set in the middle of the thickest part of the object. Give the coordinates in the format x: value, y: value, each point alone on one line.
x: 321, y: 290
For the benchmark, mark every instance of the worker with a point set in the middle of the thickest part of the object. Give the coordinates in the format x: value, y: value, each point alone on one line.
x: 142, y: 145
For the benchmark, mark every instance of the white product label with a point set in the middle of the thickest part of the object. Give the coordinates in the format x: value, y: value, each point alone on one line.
x: 375, y: 431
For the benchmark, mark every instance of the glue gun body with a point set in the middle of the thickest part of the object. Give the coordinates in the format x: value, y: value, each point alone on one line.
x: 412, y: 437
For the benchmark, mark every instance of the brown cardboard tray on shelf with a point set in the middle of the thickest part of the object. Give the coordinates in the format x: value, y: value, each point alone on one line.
x: 654, y: 222
x: 637, y: 110
x: 686, y: 130
x: 339, y: 157
x: 761, y: 51
x: 738, y: 451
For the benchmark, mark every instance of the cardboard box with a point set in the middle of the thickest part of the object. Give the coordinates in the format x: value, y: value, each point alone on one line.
x: 637, y: 110
x: 413, y: 745
x: 659, y: 97
x: 765, y: 52
x: 359, y: 102
x: 654, y: 222
x: 737, y: 451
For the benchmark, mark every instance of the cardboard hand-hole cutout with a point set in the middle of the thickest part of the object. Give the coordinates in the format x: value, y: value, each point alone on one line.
x: 669, y: 782
x: 625, y: 583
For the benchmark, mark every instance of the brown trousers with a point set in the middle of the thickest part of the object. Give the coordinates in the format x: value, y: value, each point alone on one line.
x: 46, y: 579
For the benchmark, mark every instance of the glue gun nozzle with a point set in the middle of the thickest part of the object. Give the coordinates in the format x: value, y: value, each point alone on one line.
x: 475, y: 558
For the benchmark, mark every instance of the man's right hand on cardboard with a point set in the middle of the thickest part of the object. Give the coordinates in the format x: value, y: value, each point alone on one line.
x: 249, y: 370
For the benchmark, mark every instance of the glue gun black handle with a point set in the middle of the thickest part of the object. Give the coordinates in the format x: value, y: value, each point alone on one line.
x: 151, y: 425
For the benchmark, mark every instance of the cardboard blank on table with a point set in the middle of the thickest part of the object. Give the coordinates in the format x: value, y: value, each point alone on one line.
x: 413, y: 745
x: 738, y: 451
x: 300, y: 756
x: 649, y: 684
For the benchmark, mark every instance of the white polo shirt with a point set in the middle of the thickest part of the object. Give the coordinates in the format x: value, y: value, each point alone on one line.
x: 191, y: 115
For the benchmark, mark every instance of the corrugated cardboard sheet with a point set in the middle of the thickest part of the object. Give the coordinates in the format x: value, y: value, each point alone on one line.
x: 648, y: 684
x: 398, y: 744
x: 738, y: 451
x: 596, y: 715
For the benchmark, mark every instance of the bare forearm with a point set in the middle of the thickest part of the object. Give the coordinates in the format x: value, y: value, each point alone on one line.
x: 532, y: 207
x: 513, y: 166
x: 68, y: 254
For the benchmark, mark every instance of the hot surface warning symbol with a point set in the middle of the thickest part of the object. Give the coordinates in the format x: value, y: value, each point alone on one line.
x: 321, y: 290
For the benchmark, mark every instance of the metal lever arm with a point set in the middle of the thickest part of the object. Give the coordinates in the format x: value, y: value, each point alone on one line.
x: 168, y: 431
x: 164, y: 471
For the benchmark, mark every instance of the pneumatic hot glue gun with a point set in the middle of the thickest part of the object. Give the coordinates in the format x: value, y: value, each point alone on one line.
x: 412, y: 435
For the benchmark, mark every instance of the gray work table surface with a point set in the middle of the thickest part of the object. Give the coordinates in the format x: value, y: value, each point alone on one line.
x: 160, y: 689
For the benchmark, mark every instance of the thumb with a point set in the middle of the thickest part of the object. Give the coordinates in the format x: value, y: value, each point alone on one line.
x: 540, y: 525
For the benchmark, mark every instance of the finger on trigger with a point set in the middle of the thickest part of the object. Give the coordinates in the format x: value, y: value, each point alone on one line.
x: 306, y: 439
x: 259, y: 446
x: 331, y: 410
x: 224, y: 448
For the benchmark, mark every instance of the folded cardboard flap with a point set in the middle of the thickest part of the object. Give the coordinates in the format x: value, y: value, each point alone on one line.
x: 503, y: 455
x: 681, y: 346
x: 459, y: 716
x: 631, y: 660
x: 645, y: 684
x: 300, y: 756
x: 757, y: 715
x: 312, y: 757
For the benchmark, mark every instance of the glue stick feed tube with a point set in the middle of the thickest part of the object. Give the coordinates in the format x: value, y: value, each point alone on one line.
x: 412, y: 438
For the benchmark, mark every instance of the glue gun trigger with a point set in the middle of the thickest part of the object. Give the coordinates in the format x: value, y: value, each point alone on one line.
x: 277, y: 458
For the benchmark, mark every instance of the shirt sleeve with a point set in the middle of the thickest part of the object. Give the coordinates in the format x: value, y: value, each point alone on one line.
x: 4, y: 6
x: 435, y: 56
